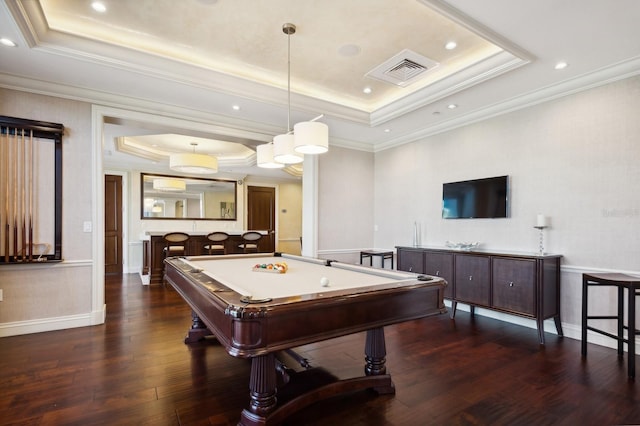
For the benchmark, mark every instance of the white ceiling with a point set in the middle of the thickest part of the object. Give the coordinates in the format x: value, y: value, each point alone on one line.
x: 209, y: 55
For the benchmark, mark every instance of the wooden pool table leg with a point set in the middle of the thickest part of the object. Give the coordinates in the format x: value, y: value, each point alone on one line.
x: 262, y: 390
x: 375, y: 356
x: 198, y: 330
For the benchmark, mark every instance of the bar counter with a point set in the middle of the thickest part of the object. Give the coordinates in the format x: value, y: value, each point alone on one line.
x: 153, y: 245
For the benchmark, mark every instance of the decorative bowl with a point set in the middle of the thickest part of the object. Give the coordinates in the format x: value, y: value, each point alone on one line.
x: 465, y: 245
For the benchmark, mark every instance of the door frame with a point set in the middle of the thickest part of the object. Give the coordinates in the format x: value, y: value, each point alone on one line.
x: 245, y: 218
x: 125, y: 217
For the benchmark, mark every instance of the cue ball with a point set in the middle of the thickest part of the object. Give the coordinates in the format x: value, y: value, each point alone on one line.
x: 324, y: 281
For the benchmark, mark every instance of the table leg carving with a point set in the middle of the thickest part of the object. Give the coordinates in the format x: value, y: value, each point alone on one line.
x: 375, y: 353
x: 262, y: 390
x: 375, y: 356
x: 198, y: 330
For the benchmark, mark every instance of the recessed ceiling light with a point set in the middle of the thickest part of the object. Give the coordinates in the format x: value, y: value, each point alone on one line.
x: 387, y: 130
x: 452, y: 106
x: 236, y: 107
x: 6, y: 42
x: 367, y: 90
x: 451, y: 45
x: 561, y: 65
x: 98, y: 6
x: 349, y: 50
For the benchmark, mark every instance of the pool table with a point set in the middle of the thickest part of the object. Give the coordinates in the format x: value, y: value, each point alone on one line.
x: 260, y: 314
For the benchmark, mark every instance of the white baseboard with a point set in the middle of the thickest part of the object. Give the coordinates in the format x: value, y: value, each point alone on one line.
x: 51, y: 324
x: 571, y: 331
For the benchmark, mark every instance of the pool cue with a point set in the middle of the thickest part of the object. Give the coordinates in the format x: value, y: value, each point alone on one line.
x: 31, y: 196
x: 15, y: 198
x: 23, y: 209
x: 5, y: 167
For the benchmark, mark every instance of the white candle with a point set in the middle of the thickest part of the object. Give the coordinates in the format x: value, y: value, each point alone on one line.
x: 541, y: 221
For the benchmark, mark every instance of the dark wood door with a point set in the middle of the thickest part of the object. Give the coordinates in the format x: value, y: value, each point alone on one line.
x: 261, y: 211
x: 113, y: 224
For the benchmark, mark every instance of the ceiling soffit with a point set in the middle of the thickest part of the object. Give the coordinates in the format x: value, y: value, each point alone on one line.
x: 254, y: 53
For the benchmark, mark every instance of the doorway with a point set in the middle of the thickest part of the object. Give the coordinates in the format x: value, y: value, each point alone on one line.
x: 113, y: 224
x: 261, y: 212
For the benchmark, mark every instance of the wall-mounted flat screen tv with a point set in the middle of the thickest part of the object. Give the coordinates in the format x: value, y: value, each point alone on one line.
x: 478, y: 198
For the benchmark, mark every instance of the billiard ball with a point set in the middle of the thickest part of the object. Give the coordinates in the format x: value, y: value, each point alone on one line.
x: 324, y: 281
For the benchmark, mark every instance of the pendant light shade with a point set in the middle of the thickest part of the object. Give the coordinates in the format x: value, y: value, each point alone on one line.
x: 191, y: 162
x: 311, y: 137
x: 283, y: 151
x: 169, y: 185
x: 264, y: 155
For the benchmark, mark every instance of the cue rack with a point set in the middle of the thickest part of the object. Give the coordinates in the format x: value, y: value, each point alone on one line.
x: 30, y: 191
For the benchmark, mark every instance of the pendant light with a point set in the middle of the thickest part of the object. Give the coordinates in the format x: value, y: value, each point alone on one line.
x: 190, y: 162
x: 305, y: 138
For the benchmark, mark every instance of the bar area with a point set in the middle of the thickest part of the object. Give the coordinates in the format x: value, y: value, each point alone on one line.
x: 154, y: 246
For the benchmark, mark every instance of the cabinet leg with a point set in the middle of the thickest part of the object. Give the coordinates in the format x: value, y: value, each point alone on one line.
x: 453, y: 308
x: 540, y: 323
x: 556, y: 319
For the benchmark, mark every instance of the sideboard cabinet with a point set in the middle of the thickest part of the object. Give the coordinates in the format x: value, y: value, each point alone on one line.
x: 523, y: 284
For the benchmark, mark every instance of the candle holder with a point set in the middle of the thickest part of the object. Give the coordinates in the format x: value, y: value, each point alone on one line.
x: 541, y: 241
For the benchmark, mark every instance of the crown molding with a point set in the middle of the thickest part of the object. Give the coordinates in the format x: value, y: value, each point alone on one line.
x: 601, y: 77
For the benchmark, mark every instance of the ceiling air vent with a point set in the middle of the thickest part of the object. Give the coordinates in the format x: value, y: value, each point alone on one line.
x: 403, y: 69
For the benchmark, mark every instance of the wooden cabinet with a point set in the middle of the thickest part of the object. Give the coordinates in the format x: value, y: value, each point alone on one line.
x: 411, y: 260
x: 522, y: 284
x: 472, y: 277
x: 514, y: 286
x: 441, y: 265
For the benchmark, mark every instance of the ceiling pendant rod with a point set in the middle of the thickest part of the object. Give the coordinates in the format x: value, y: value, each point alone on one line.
x: 289, y: 29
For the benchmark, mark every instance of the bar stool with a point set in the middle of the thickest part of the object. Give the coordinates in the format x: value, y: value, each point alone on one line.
x: 250, y: 241
x: 175, y: 244
x: 217, y: 243
x: 622, y: 282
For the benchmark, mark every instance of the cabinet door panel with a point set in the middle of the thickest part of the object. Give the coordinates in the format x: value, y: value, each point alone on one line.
x: 472, y: 279
x: 440, y: 265
x: 411, y: 261
x: 514, y: 285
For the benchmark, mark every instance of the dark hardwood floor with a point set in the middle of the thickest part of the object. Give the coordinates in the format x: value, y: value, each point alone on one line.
x: 136, y: 370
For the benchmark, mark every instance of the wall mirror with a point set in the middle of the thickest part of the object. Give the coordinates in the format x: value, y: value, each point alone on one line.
x: 176, y: 197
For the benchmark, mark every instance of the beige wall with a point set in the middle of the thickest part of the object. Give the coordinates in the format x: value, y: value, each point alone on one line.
x: 345, y: 203
x: 61, y: 290
x: 575, y: 159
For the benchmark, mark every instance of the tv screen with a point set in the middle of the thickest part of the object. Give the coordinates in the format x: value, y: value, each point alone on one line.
x: 479, y: 198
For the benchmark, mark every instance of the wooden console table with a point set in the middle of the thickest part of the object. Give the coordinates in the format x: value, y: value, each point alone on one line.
x: 522, y: 284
